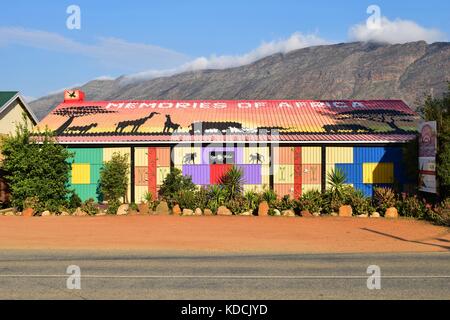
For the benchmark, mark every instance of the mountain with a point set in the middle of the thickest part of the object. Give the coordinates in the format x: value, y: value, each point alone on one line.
x: 341, y: 71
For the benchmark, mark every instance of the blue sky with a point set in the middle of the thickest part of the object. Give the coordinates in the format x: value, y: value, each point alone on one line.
x: 38, y: 54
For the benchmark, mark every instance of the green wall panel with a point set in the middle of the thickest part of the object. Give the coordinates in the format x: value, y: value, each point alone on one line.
x: 88, y: 155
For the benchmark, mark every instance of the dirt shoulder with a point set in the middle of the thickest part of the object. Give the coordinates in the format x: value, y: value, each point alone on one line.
x: 223, y: 234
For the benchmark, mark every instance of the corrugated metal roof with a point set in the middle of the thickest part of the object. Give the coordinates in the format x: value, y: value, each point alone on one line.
x: 234, y: 121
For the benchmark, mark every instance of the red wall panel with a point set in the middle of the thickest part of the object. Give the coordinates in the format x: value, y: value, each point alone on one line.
x: 152, y: 172
x: 217, y: 171
x: 297, y: 172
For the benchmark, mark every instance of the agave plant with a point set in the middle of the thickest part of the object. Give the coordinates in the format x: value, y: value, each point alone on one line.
x: 232, y: 182
x: 336, y: 180
x: 217, y: 197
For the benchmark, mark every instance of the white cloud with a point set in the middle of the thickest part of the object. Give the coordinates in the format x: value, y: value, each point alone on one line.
x: 109, y: 51
x: 394, y: 32
x: 294, y: 42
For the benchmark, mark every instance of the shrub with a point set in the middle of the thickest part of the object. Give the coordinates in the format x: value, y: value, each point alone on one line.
x: 173, y: 184
x: 134, y: 207
x: 90, y: 208
x: 270, y: 196
x: 232, y: 182
x: 113, y: 206
x: 186, y: 199
x: 360, y: 203
x: 35, y: 166
x: 411, y: 206
x: 384, y: 198
x: 237, y: 205
x: 284, y: 203
x: 74, y: 201
x: 311, y: 201
x: 201, y: 198
x: 217, y: 197
x: 114, y: 179
x: 252, y: 200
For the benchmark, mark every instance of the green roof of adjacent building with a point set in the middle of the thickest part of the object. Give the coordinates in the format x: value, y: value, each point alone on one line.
x: 5, y: 96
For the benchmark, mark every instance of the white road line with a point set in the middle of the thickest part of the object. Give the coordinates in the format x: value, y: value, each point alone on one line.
x: 217, y: 277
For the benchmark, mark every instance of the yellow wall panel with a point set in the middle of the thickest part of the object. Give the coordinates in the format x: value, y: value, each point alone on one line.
x: 139, y: 193
x: 265, y: 175
x: 378, y: 173
x: 251, y: 150
x: 81, y: 173
x: 339, y: 155
x: 311, y: 155
x: 180, y: 152
x: 329, y: 168
x: 141, y: 157
x: 283, y: 174
x: 108, y: 152
x: 161, y: 174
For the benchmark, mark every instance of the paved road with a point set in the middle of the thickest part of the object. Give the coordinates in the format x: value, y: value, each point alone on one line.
x: 144, y: 275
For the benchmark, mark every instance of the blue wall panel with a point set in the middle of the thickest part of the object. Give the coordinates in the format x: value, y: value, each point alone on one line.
x: 377, y: 154
x: 367, y: 189
x: 352, y: 171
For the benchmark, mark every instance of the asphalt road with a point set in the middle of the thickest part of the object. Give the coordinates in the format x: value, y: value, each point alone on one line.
x: 146, y: 275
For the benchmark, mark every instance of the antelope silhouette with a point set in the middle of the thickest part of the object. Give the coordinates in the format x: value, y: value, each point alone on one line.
x: 170, y: 125
x: 135, y: 124
x: 256, y: 157
x: 81, y: 129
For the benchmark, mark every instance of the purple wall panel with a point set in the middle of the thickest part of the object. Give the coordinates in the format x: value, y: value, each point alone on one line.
x: 238, y: 152
x: 252, y: 173
x: 199, y: 173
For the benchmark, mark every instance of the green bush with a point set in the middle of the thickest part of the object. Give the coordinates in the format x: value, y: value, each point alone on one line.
x: 270, y: 196
x: 35, y: 166
x: 252, y: 200
x: 232, y: 182
x: 360, y: 203
x: 284, y: 203
x: 311, y: 201
x: 217, y: 197
x: 173, y: 184
x: 90, y: 207
x: 384, y: 198
x: 237, y: 205
x: 186, y: 199
x: 74, y: 201
x: 114, y: 179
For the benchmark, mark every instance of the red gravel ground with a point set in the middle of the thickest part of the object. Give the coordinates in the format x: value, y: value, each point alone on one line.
x: 223, y: 234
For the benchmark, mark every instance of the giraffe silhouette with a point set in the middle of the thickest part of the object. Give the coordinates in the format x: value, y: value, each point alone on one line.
x: 135, y: 124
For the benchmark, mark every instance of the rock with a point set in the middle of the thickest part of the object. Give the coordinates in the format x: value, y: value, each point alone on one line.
x: 334, y: 214
x: 288, y: 213
x: 246, y: 213
x: 64, y: 213
x: 176, y: 210
x: 79, y: 213
x: 143, y: 208
x: 101, y: 213
x: 305, y: 213
x: 123, y: 209
x: 375, y: 215
x: 363, y: 216
x: 46, y: 213
x: 316, y: 214
x: 345, y: 211
x: 391, y: 213
x: 28, y: 212
x: 9, y: 214
x: 188, y: 212
x: 162, y: 208
x: 198, y: 212
x: 132, y: 212
x: 224, y: 211
x: 207, y: 212
x: 263, y: 209
x: 276, y: 212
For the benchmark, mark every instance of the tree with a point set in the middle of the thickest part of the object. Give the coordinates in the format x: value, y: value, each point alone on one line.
x: 438, y: 109
x: 175, y: 183
x: 36, y: 167
x: 114, y: 180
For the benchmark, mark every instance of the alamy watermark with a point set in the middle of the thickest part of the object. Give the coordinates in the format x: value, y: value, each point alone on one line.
x: 73, y: 282
x: 73, y: 21
x: 374, y: 280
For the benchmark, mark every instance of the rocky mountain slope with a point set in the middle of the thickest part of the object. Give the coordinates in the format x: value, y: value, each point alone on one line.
x: 340, y: 71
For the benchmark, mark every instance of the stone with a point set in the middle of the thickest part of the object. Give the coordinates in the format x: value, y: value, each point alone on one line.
x: 316, y: 214
x: 9, y: 214
x: 176, y: 210
x: 79, y: 213
x: 363, y: 215
x: 391, y: 213
x: 132, y: 212
x: 345, y: 211
x: 123, y: 209
x: 246, y: 213
x: 288, y: 213
x: 64, y: 213
x: 143, y: 208
x: 263, y: 209
x: 101, y: 213
x: 224, y: 211
x: 375, y: 215
x: 334, y: 214
x: 276, y: 212
x: 28, y: 212
x: 188, y: 212
x: 46, y: 213
x: 162, y: 208
x: 207, y: 212
x: 198, y: 212
x: 305, y: 213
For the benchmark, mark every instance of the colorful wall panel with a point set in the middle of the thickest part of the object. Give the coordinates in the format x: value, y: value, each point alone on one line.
x: 311, y: 174
x: 339, y: 155
x: 252, y: 173
x: 284, y: 189
x: 200, y: 174
x: 85, y: 172
x: 284, y: 174
x: 312, y: 155
x: 283, y: 155
x: 107, y: 156
x: 378, y: 173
